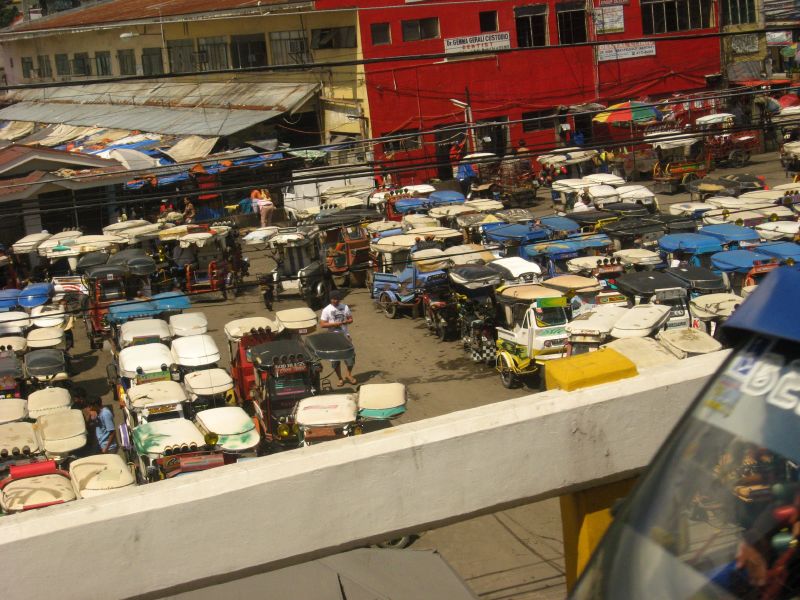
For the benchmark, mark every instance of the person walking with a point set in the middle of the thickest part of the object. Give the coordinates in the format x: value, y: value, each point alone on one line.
x: 335, y: 318
x: 105, y: 431
x: 69, y: 323
x: 189, y: 212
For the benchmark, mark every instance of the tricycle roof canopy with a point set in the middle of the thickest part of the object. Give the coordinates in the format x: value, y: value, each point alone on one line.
x: 330, y: 346
x: 333, y: 409
x: 150, y: 358
x: 647, y: 282
x: 156, y: 392
x: 281, y: 351
x: 195, y: 351
x: 236, y: 329
x: 99, y: 474
x: 51, y: 399
x: 529, y: 292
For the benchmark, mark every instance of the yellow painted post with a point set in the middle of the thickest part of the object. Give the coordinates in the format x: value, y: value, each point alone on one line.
x: 585, y: 516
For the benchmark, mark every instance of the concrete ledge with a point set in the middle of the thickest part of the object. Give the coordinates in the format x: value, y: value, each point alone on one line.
x: 287, y: 508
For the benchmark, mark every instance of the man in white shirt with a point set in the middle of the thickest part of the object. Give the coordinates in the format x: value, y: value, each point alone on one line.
x: 336, y: 317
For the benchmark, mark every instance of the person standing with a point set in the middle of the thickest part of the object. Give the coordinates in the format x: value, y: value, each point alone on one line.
x: 105, y: 431
x: 189, y: 212
x: 335, y: 318
x: 69, y: 323
x: 266, y: 208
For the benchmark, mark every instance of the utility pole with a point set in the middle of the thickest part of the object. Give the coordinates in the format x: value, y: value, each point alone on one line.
x: 470, y: 129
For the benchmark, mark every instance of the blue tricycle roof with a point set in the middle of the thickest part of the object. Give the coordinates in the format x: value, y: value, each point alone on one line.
x: 737, y: 261
x: 122, y: 312
x: 569, y: 246
x: 524, y: 234
x: 696, y: 243
x: 407, y: 205
x: 728, y: 232
x: 780, y: 250
x: 560, y: 224
x: 35, y: 294
x: 9, y: 298
x: 445, y: 198
x: 171, y: 301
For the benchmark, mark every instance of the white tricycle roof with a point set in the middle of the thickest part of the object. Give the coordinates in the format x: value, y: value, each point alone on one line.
x: 155, y: 436
x: 188, y: 324
x: 151, y: 358
x: 62, y: 431
x: 14, y: 322
x: 778, y: 230
x: 452, y: 210
x: 141, y: 233
x: 29, y: 243
x: 381, y: 396
x: 154, y: 393
x: 143, y: 328
x: 18, y: 435
x: 638, y: 256
x: 100, y: 474
x: 603, y: 192
x: 45, y: 337
x: 573, y: 283
x: 714, y: 306
x: 195, y: 351
x: 604, y: 179
x: 235, y: 429
x: 635, y: 192
x: 467, y: 254
x: 302, y: 320
x: 569, y: 186
x: 234, y: 330
x: 583, y: 263
x: 333, y: 409
x: 687, y: 208
x: 687, y: 341
x: 518, y: 266
x: 207, y: 382
x: 48, y: 400
x: 47, y: 315
x: 641, y: 320
x: 115, y: 228
x: 484, y: 205
x: 62, y: 238
x: 17, y: 343
x: 38, y: 490
x: 416, y: 221
x: 13, y: 409
x: 644, y: 352
x: 599, y: 322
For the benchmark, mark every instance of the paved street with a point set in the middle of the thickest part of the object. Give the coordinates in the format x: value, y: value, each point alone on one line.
x: 511, y: 554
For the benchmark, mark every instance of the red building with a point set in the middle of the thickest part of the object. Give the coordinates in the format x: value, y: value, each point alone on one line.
x: 542, y: 68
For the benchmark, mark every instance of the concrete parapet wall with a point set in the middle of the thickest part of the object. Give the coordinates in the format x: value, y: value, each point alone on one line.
x: 290, y: 507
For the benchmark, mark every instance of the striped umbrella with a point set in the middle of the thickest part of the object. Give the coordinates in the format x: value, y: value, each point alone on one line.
x: 629, y: 112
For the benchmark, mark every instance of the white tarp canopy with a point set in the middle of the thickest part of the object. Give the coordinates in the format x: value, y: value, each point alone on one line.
x: 191, y: 147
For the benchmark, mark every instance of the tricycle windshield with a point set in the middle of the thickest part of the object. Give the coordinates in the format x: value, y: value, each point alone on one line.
x: 717, y: 511
x: 550, y: 316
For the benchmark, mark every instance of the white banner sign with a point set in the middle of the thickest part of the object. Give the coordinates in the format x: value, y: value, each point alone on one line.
x: 608, y: 52
x: 500, y: 40
x: 610, y: 19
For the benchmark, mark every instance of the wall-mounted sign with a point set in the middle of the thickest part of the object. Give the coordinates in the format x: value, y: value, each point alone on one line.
x: 779, y: 38
x: 614, y: 2
x: 746, y: 43
x: 609, y: 19
x: 499, y: 40
x: 608, y: 52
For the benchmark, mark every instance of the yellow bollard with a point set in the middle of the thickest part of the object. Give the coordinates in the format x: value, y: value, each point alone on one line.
x: 585, y: 516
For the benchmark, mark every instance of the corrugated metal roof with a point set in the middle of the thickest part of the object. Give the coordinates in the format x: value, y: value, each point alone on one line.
x: 282, y: 97
x: 178, y: 121
x: 208, y: 109
x: 118, y: 11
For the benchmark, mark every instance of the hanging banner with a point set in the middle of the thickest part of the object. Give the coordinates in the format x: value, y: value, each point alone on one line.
x: 608, y: 52
x: 500, y: 40
x: 610, y: 19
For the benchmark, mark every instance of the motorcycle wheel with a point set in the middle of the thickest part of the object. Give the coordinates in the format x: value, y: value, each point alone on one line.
x: 388, y: 307
x: 507, y: 377
x: 441, y: 329
x: 398, y: 543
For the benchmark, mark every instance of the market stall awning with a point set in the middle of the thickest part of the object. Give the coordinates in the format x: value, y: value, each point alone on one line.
x: 207, y: 109
x: 192, y: 147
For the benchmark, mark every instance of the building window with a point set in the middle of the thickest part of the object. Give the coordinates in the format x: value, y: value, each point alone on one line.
x: 27, y: 66
x: 62, y: 64
x: 289, y: 47
x: 531, y: 22
x: 380, y: 34
x: 571, y: 23
x: 181, y: 56
x: 152, y: 61
x: 402, y: 141
x: 43, y: 64
x: 127, y: 62
x: 488, y: 21
x: 537, y: 120
x: 333, y: 37
x: 421, y: 29
x: 248, y: 51
x: 665, y: 16
x: 81, y: 64
x: 102, y: 62
x: 212, y: 53
x: 738, y: 12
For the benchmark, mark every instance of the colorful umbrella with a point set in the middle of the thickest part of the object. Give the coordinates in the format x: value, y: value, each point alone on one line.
x: 627, y: 112
x: 789, y: 100
x: 789, y: 51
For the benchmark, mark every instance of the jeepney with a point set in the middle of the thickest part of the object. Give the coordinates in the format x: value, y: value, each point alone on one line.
x: 531, y: 330
x: 137, y: 365
x: 143, y: 331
